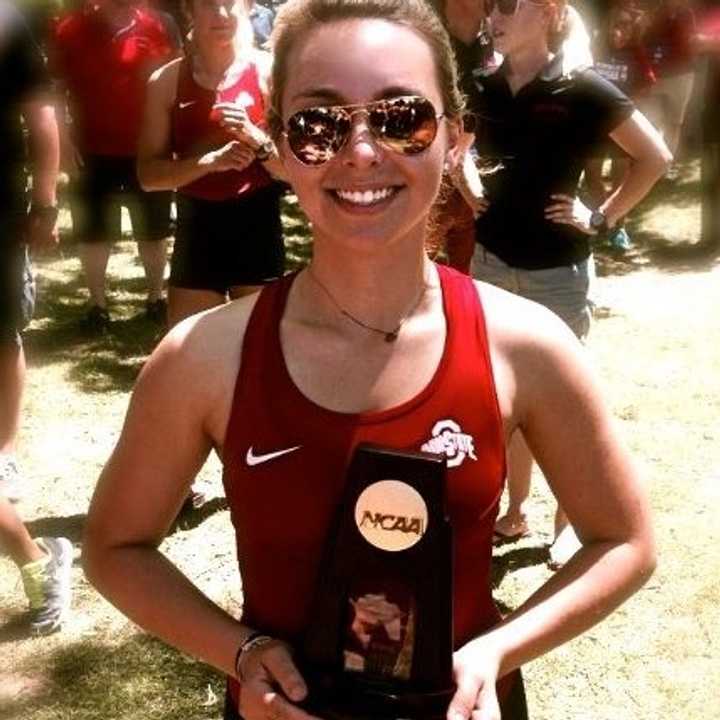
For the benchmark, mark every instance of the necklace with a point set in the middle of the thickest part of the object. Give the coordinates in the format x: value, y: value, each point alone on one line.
x: 389, y: 335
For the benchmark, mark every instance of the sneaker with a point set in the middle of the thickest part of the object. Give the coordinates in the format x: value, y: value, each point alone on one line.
x: 97, y: 320
x: 620, y: 240
x: 47, y: 585
x: 156, y: 311
x: 10, y: 485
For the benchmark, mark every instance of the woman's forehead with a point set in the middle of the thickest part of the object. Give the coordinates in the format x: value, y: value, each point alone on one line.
x: 360, y: 60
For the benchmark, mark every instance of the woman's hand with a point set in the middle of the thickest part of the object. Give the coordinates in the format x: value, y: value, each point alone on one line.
x: 235, y: 119
x: 270, y: 684
x: 568, y: 210
x: 235, y: 155
x: 476, y: 671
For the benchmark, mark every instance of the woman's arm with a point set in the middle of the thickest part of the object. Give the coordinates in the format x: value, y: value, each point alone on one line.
x: 163, y: 444
x: 546, y: 390
x: 166, y: 438
x: 264, y: 65
x: 157, y: 167
x: 650, y: 159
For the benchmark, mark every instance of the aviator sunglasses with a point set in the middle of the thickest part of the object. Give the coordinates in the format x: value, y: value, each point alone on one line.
x: 406, y: 125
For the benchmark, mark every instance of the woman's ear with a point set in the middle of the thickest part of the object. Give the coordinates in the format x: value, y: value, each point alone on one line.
x: 459, y: 142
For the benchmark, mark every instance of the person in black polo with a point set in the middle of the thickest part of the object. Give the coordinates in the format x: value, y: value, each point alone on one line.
x: 537, y: 125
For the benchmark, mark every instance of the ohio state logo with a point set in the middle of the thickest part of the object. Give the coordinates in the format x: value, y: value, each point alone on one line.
x: 448, y: 439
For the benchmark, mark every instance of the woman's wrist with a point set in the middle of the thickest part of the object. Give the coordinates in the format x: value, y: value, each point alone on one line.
x: 252, y: 641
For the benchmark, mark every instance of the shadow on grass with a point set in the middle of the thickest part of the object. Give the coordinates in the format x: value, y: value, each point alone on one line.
x: 661, y: 250
x: 139, y: 678
x: 98, y: 363
x: 112, y: 361
x: 72, y: 526
x: 513, y: 560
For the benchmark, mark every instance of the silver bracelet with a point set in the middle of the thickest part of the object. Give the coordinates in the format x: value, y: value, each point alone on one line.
x: 252, y: 642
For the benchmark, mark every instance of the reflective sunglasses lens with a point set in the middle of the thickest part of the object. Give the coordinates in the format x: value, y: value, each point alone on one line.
x: 406, y: 125
x: 316, y: 134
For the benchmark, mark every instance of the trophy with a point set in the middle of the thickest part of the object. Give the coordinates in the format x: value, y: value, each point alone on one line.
x: 380, y: 642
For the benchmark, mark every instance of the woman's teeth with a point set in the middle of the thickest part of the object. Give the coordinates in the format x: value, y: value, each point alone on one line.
x: 366, y: 197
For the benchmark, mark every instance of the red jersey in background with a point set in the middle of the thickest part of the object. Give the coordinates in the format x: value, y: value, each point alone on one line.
x: 105, y: 72
x: 669, y: 41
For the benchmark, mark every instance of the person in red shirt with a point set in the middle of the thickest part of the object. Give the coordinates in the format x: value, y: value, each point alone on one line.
x: 203, y: 134
x: 669, y: 42
x: 102, y: 56
x: 370, y: 342
x: 621, y: 58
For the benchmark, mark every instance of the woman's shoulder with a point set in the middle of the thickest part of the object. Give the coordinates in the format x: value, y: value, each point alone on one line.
x: 166, y: 76
x: 202, y: 353
x: 534, y: 354
x: 520, y: 330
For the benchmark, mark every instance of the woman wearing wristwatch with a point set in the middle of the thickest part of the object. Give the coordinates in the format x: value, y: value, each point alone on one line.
x: 202, y: 135
x: 539, y: 123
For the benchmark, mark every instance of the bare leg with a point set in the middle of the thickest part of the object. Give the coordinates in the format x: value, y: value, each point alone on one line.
x: 520, y: 462
x: 154, y: 259
x: 94, y: 258
x: 183, y: 303
x: 14, y: 537
x: 12, y: 384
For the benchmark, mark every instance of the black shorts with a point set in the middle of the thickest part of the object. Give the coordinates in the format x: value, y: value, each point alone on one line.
x: 224, y: 243
x: 17, y: 285
x: 104, y: 185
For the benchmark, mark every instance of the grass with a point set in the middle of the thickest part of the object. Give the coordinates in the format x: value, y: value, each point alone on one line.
x: 655, y: 346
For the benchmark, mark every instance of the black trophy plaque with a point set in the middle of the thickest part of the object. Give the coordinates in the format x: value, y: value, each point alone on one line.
x: 380, y: 642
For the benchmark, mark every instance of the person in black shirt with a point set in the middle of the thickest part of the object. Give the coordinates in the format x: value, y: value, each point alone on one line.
x: 45, y: 564
x: 537, y: 124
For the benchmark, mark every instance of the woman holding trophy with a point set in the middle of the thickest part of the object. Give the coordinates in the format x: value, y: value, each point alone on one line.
x: 371, y: 342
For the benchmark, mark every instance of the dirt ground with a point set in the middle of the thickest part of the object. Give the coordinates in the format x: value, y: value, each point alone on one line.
x: 656, y: 345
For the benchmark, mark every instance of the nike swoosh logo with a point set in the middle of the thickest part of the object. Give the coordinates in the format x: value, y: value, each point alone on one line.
x: 183, y: 105
x: 251, y: 459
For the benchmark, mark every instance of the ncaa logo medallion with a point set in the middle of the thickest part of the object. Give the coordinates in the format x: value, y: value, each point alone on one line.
x: 391, y: 515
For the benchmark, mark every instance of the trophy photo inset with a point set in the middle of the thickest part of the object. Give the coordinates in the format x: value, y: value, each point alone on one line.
x: 380, y: 644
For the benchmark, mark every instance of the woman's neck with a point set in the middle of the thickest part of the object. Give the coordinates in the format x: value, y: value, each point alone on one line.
x: 212, y: 62
x: 381, y: 292
x: 525, y: 64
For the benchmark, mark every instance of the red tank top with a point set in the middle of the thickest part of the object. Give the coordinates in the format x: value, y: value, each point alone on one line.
x: 196, y: 130
x: 285, y: 459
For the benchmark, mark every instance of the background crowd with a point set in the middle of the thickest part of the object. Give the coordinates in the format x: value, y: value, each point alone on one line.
x: 81, y: 77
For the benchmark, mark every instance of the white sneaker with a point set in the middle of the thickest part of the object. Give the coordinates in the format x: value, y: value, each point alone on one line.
x: 10, y: 484
x: 47, y: 585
